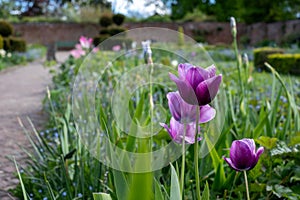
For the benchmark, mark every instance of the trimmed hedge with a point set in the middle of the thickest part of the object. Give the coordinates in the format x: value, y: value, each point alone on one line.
x: 261, y: 56
x: 6, y: 44
x: 6, y: 29
x: 112, y: 42
x: 285, y: 63
x: 118, y: 19
x: 105, y: 20
x: 100, y: 38
x: 116, y: 30
x: 1, y: 42
x: 17, y: 44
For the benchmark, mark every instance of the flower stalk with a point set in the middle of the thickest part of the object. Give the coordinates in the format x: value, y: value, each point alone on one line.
x: 196, y: 157
x: 235, y: 46
x: 183, y: 162
x: 246, y: 183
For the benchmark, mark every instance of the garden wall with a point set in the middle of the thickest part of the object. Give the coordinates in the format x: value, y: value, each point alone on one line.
x: 211, y: 32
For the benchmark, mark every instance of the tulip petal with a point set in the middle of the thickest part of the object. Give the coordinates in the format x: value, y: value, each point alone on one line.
x: 180, y: 110
x: 241, y: 155
x: 185, y: 90
x: 259, y: 151
x: 207, y: 113
x: 230, y: 163
x: 211, y: 71
x: 208, y: 89
x: 166, y: 127
x: 250, y: 143
x: 176, y: 131
x: 195, y: 76
x: 174, y: 105
x: 182, y: 70
x: 190, y: 133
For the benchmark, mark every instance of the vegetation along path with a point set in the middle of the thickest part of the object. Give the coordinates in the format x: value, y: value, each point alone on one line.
x: 22, y: 90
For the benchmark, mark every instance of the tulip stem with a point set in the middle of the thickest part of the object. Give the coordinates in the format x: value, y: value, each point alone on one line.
x: 196, y: 159
x: 236, y: 50
x: 183, y: 162
x: 246, y: 183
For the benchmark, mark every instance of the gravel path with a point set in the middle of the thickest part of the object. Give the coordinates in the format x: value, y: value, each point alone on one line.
x: 22, y: 90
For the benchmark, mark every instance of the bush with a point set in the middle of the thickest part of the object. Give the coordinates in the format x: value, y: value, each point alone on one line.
x: 285, y: 63
x: 100, y: 38
x: 6, y: 44
x: 6, y: 29
x: 104, y: 31
x: 1, y: 42
x: 116, y: 30
x: 17, y: 44
x: 261, y: 56
x: 105, y: 20
x: 118, y: 19
x: 112, y: 42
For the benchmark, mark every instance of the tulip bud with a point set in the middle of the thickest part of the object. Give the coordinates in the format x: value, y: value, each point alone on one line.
x: 233, y: 26
x: 245, y: 59
x: 147, y: 51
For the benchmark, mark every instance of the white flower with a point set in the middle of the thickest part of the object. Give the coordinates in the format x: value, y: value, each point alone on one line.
x: 2, y: 52
x: 174, y: 63
x: 146, y: 47
x: 133, y: 45
x: 8, y: 55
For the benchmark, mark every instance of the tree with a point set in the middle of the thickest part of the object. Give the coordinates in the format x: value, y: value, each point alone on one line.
x: 41, y: 7
x: 248, y: 11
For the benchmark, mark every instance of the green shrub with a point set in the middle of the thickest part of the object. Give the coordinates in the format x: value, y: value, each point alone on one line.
x: 104, y: 31
x: 6, y: 29
x: 285, y: 63
x: 112, y: 42
x: 116, y: 30
x: 105, y: 20
x: 100, y: 38
x: 17, y: 44
x: 118, y: 19
x: 261, y: 56
x: 1, y: 42
x: 6, y: 44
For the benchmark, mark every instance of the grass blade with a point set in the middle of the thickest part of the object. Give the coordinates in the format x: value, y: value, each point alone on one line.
x: 175, y: 189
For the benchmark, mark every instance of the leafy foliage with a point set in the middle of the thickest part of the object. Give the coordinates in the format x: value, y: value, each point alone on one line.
x: 6, y: 28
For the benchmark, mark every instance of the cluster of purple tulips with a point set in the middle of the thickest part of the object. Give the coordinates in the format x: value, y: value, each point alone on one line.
x: 189, y: 106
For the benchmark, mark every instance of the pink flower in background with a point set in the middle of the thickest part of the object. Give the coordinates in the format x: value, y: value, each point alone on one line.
x: 116, y: 48
x: 83, y: 47
x: 85, y: 42
x: 95, y: 50
x: 77, y: 53
x: 78, y: 46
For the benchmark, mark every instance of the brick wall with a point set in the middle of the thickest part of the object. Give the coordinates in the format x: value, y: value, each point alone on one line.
x: 212, y: 32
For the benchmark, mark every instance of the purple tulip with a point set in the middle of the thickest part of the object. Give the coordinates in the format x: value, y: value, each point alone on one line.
x: 176, y: 131
x: 197, y: 86
x: 242, y: 155
x: 186, y: 113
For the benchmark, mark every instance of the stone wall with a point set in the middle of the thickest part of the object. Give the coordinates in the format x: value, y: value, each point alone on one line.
x: 212, y: 32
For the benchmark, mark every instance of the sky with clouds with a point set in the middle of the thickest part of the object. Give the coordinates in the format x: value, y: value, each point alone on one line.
x: 137, y: 8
